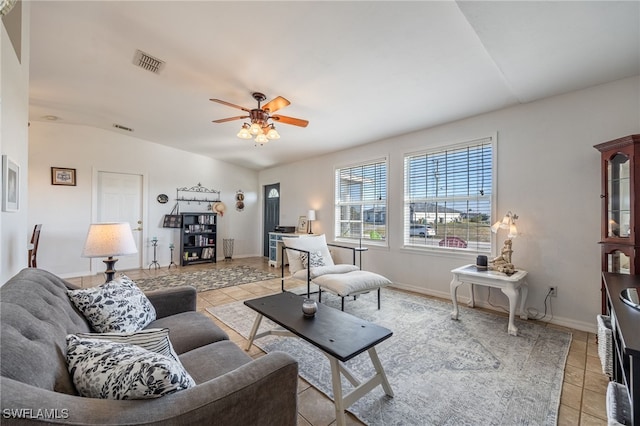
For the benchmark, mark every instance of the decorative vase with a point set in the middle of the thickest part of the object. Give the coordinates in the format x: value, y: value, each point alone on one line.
x: 309, y: 307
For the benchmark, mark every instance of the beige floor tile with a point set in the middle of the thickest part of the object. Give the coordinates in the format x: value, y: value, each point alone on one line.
x: 594, y: 403
x: 578, y: 345
x: 574, y: 375
x: 589, y: 420
x: 568, y: 416
x: 596, y: 382
x: 571, y: 396
x: 593, y: 364
x: 316, y: 408
x: 577, y: 359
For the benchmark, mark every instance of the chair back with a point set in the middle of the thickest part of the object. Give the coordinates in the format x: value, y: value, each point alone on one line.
x: 33, y: 251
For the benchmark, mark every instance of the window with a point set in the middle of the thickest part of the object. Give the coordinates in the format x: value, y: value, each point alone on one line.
x: 361, y: 202
x: 448, y: 197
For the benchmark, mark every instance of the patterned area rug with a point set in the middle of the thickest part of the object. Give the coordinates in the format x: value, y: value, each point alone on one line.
x: 443, y: 372
x: 204, y: 280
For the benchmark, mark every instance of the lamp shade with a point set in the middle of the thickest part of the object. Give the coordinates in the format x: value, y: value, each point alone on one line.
x: 109, y: 239
x: 311, y: 215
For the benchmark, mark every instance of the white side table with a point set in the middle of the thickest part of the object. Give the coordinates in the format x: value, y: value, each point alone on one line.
x: 513, y: 286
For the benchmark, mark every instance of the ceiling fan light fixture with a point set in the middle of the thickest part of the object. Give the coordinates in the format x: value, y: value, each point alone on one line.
x: 244, y: 132
x: 255, y: 129
x: 261, y: 139
x: 273, y: 133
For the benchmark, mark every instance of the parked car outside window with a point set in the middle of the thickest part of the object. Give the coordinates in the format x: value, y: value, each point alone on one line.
x: 421, y: 230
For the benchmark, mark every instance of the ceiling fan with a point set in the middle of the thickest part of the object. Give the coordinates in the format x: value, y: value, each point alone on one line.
x: 262, y: 126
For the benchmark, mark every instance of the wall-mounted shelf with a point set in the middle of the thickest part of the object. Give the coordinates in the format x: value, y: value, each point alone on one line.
x: 206, y: 195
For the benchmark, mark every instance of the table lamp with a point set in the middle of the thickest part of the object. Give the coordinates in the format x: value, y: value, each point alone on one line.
x: 311, y: 216
x: 108, y: 240
x: 503, y: 262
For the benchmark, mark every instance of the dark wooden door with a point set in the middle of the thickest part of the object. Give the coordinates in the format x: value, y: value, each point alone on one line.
x: 271, y: 213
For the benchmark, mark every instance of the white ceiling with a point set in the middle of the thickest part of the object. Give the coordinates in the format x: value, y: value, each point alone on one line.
x: 358, y: 71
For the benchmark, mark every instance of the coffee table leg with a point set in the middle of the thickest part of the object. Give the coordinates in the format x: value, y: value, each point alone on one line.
x: 337, y: 391
x: 254, y: 330
x: 378, y: 366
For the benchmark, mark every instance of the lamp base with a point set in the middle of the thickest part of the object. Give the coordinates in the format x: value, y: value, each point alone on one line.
x: 111, y: 270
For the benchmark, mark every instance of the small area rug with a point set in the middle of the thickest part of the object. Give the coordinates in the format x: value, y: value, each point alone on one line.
x: 443, y: 372
x: 209, y: 279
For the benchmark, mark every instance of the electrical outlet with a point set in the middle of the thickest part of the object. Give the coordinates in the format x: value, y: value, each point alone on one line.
x: 553, y: 291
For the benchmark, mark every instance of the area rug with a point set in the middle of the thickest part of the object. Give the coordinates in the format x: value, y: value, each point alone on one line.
x: 209, y: 279
x: 442, y: 372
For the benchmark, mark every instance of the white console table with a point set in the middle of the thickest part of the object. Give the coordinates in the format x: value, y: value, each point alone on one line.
x: 513, y: 286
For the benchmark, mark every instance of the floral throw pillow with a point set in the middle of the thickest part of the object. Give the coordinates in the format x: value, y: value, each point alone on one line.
x: 107, y: 370
x: 151, y: 339
x: 314, y: 258
x: 118, y: 305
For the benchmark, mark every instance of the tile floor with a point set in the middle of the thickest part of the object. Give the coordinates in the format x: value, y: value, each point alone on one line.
x: 583, y: 390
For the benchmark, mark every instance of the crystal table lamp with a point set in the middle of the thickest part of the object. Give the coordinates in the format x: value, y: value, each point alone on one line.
x: 108, y: 240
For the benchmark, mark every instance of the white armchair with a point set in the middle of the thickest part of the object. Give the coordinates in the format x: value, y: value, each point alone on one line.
x: 310, y: 261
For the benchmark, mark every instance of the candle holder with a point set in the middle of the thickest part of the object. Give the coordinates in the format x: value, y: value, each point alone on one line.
x: 309, y: 308
x: 155, y: 263
x: 171, y: 247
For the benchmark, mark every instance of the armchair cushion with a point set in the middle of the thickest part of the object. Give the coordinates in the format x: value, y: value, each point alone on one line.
x: 315, y: 272
x: 314, y: 244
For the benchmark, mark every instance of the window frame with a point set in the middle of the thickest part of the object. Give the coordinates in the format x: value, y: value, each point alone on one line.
x: 476, y: 246
x: 384, y: 204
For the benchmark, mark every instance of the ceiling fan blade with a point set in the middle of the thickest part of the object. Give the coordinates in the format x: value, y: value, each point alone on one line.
x: 290, y: 120
x: 230, y: 104
x: 276, y: 104
x: 224, y: 120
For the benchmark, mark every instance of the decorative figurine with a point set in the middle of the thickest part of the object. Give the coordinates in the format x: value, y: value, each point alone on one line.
x: 503, y: 263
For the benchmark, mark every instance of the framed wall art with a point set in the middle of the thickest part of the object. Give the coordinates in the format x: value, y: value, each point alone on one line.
x: 63, y: 176
x: 10, y: 185
x: 302, y: 225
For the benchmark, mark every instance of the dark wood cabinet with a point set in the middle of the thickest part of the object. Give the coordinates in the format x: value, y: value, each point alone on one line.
x: 198, y: 238
x: 626, y: 339
x: 620, y: 237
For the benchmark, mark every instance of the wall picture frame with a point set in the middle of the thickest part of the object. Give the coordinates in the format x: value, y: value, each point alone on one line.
x: 302, y: 225
x: 63, y: 176
x: 10, y: 185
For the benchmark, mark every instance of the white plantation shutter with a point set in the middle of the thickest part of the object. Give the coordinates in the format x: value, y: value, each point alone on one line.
x: 450, y: 191
x: 361, y: 202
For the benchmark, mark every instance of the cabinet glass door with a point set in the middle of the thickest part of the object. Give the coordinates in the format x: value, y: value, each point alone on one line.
x: 619, y: 203
x: 618, y: 262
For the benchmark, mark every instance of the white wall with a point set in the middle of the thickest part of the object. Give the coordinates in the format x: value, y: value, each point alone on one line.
x: 548, y: 173
x: 65, y: 211
x: 14, y: 118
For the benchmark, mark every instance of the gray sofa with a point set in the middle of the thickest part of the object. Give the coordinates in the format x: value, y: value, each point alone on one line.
x: 36, y: 388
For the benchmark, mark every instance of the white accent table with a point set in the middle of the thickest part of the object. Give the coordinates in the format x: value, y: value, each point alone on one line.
x: 513, y: 286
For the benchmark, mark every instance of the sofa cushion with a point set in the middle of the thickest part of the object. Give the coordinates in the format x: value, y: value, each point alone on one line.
x: 108, y: 370
x: 151, y: 339
x: 118, y: 305
x: 190, y: 330
x: 213, y: 360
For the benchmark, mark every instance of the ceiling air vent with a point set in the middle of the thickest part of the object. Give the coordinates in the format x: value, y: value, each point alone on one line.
x: 121, y: 127
x: 148, y: 62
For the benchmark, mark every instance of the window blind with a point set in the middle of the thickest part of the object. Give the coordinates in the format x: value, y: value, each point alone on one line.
x: 448, y: 197
x: 361, y: 202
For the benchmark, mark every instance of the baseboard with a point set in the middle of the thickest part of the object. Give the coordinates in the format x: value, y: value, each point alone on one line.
x: 555, y: 320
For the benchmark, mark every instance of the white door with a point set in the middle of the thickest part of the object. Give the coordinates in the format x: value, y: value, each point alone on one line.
x: 120, y: 200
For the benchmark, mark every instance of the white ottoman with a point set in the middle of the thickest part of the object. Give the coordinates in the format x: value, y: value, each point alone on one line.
x: 351, y: 284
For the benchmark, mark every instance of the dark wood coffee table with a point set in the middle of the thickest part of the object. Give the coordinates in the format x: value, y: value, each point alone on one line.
x: 339, y: 335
